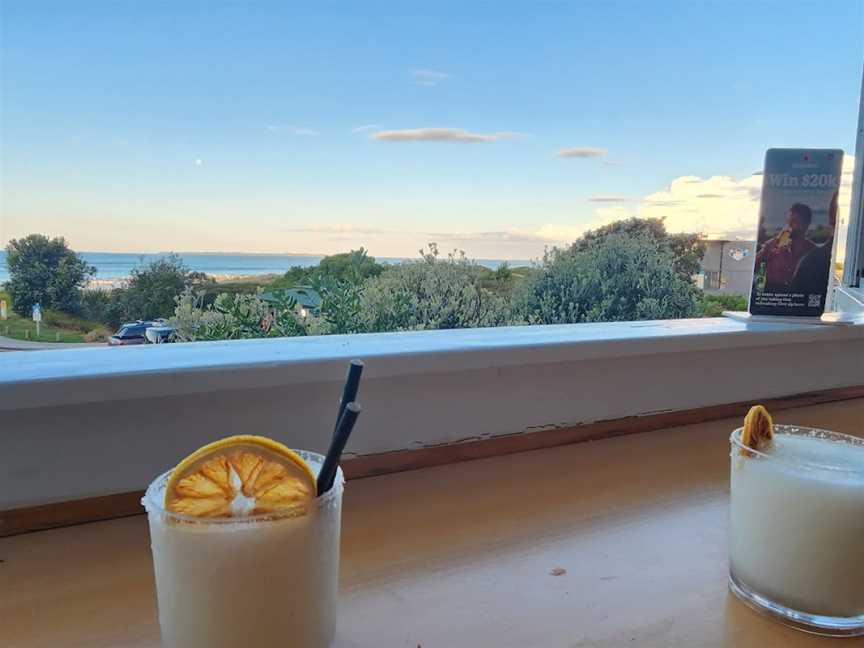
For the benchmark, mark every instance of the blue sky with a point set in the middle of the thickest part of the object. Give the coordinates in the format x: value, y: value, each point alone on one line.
x: 233, y: 126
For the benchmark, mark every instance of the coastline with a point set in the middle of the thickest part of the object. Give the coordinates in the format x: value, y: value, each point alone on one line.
x: 110, y: 283
x: 113, y: 269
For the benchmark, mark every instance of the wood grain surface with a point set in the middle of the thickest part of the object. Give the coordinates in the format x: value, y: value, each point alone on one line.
x: 620, y: 542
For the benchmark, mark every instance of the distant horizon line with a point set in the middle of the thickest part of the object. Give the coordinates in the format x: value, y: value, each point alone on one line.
x: 277, y: 254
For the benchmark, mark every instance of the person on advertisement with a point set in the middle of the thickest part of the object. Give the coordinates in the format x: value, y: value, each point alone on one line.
x: 813, y: 269
x: 783, y: 253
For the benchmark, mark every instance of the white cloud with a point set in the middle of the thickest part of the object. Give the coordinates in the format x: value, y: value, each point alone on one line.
x: 581, y: 152
x: 565, y: 234
x: 366, y: 128
x: 555, y: 234
x: 720, y: 206
x: 610, y: 199
x: 429, y: 77
x: 338, y: 228
x: 548, y: 235
x: 494, y: 236
x: 533, y: 237
x: 441, y: 135
x: 198, y: 161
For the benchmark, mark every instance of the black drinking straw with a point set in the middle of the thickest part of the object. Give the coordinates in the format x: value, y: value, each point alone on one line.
x: 349, y: 391
x: 340, y: 437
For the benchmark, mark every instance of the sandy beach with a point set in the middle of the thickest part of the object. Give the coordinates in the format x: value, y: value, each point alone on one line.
x: 120, y: 282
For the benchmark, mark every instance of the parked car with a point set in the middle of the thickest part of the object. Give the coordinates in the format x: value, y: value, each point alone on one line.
x: 159, y: 333
x: 131, y: 333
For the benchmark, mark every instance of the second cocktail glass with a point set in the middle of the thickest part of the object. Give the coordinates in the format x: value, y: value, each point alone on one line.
x: 797, y: 529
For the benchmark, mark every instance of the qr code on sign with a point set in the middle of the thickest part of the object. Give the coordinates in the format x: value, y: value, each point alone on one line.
x: 814, y: 301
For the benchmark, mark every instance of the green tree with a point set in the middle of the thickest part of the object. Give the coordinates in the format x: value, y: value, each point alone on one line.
x: 687, y: 249
x: 617, y: 276
x: 293, y: 277
x: 340, y: 280
x: 432, y: 293
x: 44, y: 270
x: 354, y: 267
x: 153, y: 288
x: 103, y: 306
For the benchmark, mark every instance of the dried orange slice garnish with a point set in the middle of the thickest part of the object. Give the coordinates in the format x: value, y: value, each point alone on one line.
x: 758, y: 430
x: 239, y: 476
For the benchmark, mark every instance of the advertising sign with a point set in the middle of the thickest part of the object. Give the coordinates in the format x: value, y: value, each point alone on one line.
x: 797, y: 220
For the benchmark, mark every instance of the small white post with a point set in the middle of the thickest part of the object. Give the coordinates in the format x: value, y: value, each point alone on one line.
x: 37, y: 317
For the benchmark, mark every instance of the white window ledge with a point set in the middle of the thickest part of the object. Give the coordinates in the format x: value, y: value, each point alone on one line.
x: 48, y: 378
x: 88, y: 422
x: 849, y: 299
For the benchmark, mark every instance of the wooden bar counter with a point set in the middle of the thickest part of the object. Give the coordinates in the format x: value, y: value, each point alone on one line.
x: 619, y: 542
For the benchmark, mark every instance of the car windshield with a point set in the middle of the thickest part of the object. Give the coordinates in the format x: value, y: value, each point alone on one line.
x: 129, y: 331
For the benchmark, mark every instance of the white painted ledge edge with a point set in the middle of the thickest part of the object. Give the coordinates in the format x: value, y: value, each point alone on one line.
x: 62, y: 377
x: 854, y: 295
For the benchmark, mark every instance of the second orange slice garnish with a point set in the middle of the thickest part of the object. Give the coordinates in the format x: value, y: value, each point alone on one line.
x: 240, y: 476
x: 758, y: 431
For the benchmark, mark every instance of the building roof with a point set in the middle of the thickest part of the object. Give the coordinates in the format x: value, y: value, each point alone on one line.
x: 304, y: 296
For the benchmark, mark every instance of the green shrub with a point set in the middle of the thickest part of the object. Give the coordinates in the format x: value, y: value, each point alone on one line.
x: 212, y: 291
x: 99, y: 334
x: 104, y: 306
x: 713, y: 305
x: 234, y: 317
x: 630, y: 270
x: 620, y: 276
x: 293, y: 277
x: 68, y: 322
x: 340, y: 306
x: 432, y: 293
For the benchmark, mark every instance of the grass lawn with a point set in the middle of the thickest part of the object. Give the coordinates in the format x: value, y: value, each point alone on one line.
x: 69, y: 327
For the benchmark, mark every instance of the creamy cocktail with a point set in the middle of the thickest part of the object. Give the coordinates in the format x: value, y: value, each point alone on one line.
x: 797, y: 528
x: 240, y: 565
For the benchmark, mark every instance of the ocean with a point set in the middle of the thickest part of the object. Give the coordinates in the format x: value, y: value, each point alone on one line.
x: 116, y: 266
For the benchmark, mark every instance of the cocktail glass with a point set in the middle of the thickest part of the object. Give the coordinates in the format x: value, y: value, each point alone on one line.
x: 266, y: 580
x: 797, y: 529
